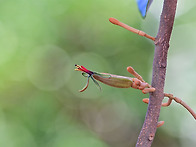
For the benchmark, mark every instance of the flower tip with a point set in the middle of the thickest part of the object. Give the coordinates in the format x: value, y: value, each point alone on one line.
x: 77, y: 67
x: 130, y: 70
x: 114, y: 20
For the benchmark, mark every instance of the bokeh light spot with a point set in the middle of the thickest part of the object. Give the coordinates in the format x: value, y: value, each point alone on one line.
x: 48, y: 67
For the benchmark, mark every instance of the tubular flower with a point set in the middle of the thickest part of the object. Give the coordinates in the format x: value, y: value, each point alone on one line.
x: 106, y: 78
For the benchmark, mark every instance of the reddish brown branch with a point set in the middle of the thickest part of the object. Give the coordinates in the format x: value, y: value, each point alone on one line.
x: 148, y: 130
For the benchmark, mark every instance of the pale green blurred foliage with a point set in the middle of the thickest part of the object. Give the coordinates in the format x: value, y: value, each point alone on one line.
x: 40, y: 105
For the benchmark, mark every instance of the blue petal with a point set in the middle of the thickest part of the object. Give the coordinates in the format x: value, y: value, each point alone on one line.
x: 143, y: 6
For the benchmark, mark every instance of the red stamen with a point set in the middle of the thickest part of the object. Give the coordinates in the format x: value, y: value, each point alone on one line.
x: 82, y: 68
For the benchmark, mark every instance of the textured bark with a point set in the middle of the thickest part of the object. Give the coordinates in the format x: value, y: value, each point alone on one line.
x: 148, y: 130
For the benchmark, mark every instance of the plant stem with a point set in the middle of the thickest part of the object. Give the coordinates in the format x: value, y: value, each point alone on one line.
x: 148, y: 130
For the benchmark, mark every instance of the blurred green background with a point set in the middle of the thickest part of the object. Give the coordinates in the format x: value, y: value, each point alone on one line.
x: 41, y: 40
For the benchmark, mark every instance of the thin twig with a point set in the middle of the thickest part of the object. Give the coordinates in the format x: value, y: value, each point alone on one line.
x: 178, y: 100
x: 141, y: 33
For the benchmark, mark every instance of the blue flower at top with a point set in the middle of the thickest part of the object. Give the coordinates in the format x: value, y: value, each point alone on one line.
x: 143, y: 6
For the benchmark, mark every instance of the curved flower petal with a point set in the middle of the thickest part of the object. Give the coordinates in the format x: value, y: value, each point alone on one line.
x: 86, y: 86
